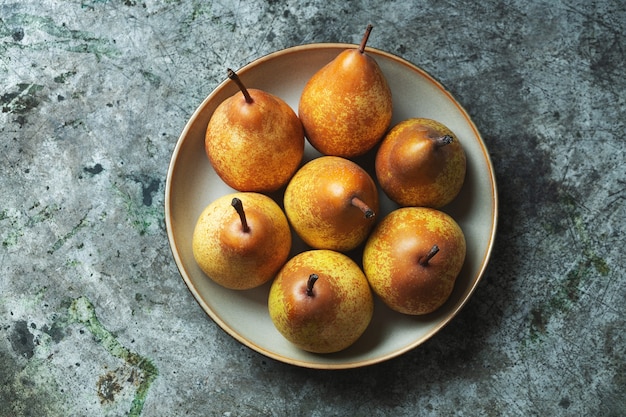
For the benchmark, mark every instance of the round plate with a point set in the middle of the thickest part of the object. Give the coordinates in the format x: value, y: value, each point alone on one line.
x: 192, y: 184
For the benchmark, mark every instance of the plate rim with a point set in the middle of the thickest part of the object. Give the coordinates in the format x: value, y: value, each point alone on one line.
x: 484, y: 262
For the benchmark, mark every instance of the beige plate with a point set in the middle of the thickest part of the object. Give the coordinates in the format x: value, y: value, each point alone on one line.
x: 192, y: 184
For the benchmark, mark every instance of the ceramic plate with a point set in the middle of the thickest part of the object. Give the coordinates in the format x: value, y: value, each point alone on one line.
x: 192, y: 184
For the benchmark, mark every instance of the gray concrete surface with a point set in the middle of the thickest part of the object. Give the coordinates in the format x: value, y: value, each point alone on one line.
x: 94, y: 317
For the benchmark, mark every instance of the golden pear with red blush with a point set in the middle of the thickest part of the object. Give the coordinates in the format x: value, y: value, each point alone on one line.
x: 413, y: 258
x: 346, y: 106
x: 331, y: 203
x: 321, y: 301
x: 421, y: 162
x: 254, y: 140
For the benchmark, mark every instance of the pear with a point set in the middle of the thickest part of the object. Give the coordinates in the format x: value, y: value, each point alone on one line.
x: 421, y: 162
x: 321, y: 301
x: 346, y: 107
x: 413, y: 258
x: 331, y: 203
x: 254, y: 140
x: 241, y: 240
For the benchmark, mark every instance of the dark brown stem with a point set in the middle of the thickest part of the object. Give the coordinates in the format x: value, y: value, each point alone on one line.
x: 233, y: 76
x: 238, y: 205
x: 360, y: 204
x: 443, y: 140
x: 366, y: 36
x: 309, y: 284
x: 425, y: 259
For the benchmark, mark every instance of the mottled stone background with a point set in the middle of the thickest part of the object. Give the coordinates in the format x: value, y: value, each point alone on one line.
x: 94, y: 317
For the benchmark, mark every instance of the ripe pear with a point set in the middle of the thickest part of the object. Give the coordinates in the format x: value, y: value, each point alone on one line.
x: 421, y: 162
x: 321, y: 301
x: 331, y: 203
x: 254, y: 140
x: 413, y: 258
x: 346, y: 106
x: 241, y: 240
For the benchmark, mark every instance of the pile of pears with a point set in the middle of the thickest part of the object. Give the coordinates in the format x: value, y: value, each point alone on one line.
x: 321, y: 299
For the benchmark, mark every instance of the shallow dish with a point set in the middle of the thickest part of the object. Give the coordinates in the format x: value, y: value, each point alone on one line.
x: 192, y: 184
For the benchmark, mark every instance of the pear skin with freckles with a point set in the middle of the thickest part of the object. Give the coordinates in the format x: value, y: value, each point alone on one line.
x: 346, y: 107
x: 325, y: 316
x: 241, y: 257
x: 331, y: 203
x: 254, y: 141
x: 413, y: 258
x: 421, y: 162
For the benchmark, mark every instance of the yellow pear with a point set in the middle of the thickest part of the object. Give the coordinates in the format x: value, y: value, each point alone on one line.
x: 321, y: 301
x: 331, y: 203
x: 421, y: 162
x: 413, y: 258
x: 346, y: 106
x: 254, y: 140
x: 241, y: 240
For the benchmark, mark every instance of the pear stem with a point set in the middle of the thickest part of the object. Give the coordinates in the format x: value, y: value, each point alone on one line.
x: 424, y: 259
x: 360, y: 204
x: 233, y: 76
x: 443, y: 140
x: 309, y: 284
x: 238, y: 205
x: 366, y: 36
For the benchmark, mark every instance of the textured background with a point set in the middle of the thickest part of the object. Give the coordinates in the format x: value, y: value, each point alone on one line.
x: 94, y: 317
